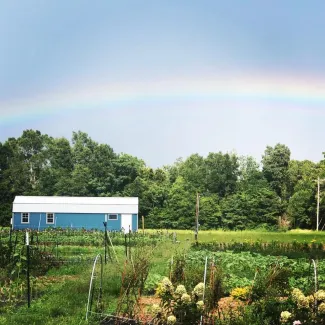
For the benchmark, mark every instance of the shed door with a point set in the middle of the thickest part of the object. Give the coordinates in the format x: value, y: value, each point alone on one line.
x: 126, y: 222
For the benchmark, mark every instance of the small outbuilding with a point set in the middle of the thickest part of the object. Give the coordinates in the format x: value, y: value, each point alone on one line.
x: 40, y: 212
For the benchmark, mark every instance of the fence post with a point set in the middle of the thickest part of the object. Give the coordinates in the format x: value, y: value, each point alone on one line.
x: 10, y: 244
x: 105, y: 240
x: 129, y: 241
x: 28, y: 279
x: 143, y: 225
x: 57, y: 248
x: 126, y: 245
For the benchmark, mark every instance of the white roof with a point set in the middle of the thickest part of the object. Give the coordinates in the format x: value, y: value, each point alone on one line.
x: 69, y: 204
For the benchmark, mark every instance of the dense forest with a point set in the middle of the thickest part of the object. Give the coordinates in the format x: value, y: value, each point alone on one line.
x: 236, y: 192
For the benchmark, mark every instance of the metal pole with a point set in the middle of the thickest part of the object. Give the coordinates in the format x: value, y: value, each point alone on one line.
x: 28, y: 279
x: 204, y: 281
x: 129, y: 241
x: 105, y: 240
x: 10, y: 243
x: 126, y: 246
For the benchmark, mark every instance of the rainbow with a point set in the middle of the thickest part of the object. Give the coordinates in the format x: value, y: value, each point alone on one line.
x: 303, y: 93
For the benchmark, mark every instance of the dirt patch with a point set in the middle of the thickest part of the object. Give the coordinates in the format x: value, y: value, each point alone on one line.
x: 144, y: 304
x: 229, y: 306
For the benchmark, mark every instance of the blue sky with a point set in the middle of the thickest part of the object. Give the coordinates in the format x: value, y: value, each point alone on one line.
x: 55, y: 56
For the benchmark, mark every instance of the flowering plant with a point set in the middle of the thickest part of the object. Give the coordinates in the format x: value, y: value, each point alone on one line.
x: 177, y: 306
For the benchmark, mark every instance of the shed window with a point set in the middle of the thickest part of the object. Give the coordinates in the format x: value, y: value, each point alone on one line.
x: 112, y: 217
x: 50, y: 218
x: 25, y: 217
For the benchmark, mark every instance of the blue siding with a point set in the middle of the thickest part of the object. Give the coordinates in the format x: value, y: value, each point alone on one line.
x: 35, y: 219
x: 134, y: 222
x: 114, y: 224
x: 70, y: 220
x: 80, y: 220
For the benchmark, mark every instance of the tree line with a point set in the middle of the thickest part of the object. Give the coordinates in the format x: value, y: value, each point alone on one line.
x: 236, y: 192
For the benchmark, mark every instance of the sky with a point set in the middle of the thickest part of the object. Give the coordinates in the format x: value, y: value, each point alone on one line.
x: 168, y: 78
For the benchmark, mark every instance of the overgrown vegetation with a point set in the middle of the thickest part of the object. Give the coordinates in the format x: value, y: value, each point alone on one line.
x: 162, y: 282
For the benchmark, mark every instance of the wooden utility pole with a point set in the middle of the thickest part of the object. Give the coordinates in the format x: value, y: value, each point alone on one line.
x: 317, y: 217
x: 197, y: 216
x: 319, y: 181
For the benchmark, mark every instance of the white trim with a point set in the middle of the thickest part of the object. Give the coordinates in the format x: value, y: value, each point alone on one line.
x: 57, y: 204
x: 50, y: 223
x: 76, y: 208
x: 79, y: 200
x: 21, y: 218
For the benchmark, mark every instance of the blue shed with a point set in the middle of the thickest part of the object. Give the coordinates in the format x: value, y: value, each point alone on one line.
x: 39, y: 212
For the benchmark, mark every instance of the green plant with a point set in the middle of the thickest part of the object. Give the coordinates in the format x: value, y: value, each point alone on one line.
x: 152, y: 283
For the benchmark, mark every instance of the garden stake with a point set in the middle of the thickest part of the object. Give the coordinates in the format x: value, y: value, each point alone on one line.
x: 126, y: 246
x: 204, y: 281
x: 316, y: 284
x: 129, y: 242
x: 109, y: 238
x: 105, y: 240
x: 10, y: 243
x: 28, y: 279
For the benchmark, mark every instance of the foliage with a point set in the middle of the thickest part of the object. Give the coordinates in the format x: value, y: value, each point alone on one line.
x: 241, y: 293
x: 235, y: 192
x: 294, y: 249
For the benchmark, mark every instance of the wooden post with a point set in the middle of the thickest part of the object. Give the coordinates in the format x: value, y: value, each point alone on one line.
x: 126, y: 245
x: 197, y: 217
x: 143, y: 224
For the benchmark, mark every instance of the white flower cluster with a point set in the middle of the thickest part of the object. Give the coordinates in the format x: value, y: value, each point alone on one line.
x: 200, y: 305
x: 302, y: 301
x: 321, y: 308
x: 180, y: 290
x: 171, y: 320
x: 165, y: 287
x: 186, y: 299
x: 156, y: 309
x: 285, y: 316
x: 199, y: 290
x: 320, y: 295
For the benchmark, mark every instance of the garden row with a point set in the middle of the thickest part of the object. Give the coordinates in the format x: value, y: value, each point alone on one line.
x: 96, y: 238
x: 294, y: 249
x: 241, y: 288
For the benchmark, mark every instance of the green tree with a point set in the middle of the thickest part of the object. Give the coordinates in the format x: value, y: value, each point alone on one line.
x: 275, y: 168
x: 210, y: 212
x: 222, y: 173
x: 194, y: 172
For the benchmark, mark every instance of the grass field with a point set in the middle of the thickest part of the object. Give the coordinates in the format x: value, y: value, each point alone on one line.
x: 249, y: 235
